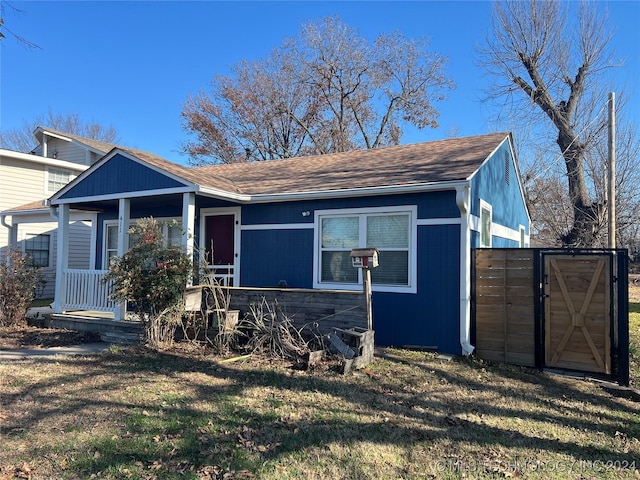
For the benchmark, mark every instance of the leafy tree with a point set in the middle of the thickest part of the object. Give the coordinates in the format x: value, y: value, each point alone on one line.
x: 152, y: 277
x: 549, y: 62
x: 22, y: 140
x: 19, y: 279
x: 327, y: 90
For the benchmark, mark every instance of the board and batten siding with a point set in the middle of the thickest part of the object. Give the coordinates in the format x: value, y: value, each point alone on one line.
x: 497, y: 183
x: 277, y: 245
x: 505, y: 305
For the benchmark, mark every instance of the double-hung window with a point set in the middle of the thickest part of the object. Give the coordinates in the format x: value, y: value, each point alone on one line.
x: 56, y: 179
x: 38, y: 248
x: 391, y: 230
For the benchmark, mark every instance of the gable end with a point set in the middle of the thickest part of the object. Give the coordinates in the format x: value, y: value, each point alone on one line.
x: 120, y: 175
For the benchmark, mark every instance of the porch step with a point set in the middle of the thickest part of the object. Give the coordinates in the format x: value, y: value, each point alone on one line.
x: 121, y: 338
x: 112, y: 331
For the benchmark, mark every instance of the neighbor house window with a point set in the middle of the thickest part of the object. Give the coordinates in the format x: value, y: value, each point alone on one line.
x: 391, y: 232
x: 485, y: 224
x: 38, y: 248
x: 56, y: 179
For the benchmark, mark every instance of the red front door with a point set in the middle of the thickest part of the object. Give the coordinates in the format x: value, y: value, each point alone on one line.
x: 220, y: 246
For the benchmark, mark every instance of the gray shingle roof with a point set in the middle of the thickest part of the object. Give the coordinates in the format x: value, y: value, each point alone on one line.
x: 420, y: 163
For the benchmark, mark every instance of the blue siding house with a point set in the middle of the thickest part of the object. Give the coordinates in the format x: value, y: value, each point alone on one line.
x: 294, y: 222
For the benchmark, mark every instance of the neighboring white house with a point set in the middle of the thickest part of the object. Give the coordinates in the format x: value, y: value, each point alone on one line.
x: 27, y: 180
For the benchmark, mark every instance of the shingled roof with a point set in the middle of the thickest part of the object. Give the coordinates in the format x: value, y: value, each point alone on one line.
x: 103, y: 147
x: 421, y: 163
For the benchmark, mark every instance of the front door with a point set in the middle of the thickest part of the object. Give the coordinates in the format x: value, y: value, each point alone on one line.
x: 577, y: 312
x: 221, y: 245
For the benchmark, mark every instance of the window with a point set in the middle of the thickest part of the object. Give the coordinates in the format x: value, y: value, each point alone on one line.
x: 38, y: 247
x: 111, y: 243
x: 390, y: 231
x: 172, y: 234
x: 56, y: 179
x: 485, y: 224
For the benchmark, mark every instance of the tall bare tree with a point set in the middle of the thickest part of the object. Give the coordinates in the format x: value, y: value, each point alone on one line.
x: 327, y: 90
x: 549, y: 58
x: 551, y: 208
x: 21, y: 139
x: 9, y: 7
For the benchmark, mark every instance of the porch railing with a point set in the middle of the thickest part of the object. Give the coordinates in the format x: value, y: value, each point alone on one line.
x: 85, y: 290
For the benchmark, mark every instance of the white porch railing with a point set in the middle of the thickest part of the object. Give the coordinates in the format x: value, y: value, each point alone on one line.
x: 85, y: 290
x: 222, y: 274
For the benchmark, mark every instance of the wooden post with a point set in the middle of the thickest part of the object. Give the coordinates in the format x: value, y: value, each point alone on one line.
x: 366, y: 284
x: 612, y: 171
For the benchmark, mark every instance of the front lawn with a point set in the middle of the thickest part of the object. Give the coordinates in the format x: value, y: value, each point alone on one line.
x: 132, y: 413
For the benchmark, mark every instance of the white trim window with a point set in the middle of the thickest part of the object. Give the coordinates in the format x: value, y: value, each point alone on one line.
x: 392, y: 230
x: 38, y: 247
x: 56, y: 179
x: 171, y: 232
x: 486, y: 219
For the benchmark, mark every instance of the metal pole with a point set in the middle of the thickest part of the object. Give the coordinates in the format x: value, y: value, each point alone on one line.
x: 612, y: 171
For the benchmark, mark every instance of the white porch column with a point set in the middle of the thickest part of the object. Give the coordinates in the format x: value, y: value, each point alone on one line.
x: 188, y: 225
x: 124, y: 215
x: 62, y: 257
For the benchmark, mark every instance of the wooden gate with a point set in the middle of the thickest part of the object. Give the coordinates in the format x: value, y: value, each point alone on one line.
x: 553, y: 308
x: 577, y: 313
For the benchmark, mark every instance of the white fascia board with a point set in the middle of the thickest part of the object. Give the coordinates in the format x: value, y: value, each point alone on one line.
x: 517, y: 169
x: 72, y: 141
x: 159, y: 170
x: 324, y: 194
x: 188, y: 186
x: 121, y: 195
x: 51, y: 162
x: 507, y: 138
x: 44, y: 216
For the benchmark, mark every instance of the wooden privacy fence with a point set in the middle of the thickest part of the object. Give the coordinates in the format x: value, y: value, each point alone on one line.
x: 553, y: 308
x: 505, y: 307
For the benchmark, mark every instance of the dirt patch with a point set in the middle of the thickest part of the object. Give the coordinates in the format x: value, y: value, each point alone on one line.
x: 634, y: 288
x: 12, y: 338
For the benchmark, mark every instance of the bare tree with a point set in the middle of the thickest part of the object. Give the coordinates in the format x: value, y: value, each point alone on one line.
x: 21, y: 139
x: 327, y: 90
x: 550, y: 61
x: 4, y: 7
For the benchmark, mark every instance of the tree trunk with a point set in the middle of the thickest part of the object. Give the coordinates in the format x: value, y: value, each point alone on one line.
x: 586, y: 214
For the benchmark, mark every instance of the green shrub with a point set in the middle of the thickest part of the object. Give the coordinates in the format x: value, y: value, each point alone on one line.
x: 152, y: 277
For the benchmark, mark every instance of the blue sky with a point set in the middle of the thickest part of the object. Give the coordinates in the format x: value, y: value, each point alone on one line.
x: 131, y: 64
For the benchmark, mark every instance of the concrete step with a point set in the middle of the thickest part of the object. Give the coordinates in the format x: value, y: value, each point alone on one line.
x: 122, y: 338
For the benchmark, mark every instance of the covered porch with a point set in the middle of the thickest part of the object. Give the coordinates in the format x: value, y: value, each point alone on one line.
x: 85, y: 290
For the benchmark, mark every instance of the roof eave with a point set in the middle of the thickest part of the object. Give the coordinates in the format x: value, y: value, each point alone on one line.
x: 342, y: 193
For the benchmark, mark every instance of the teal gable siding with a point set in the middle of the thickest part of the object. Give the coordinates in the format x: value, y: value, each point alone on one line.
x: 121, y: 175
x: 497, y: 183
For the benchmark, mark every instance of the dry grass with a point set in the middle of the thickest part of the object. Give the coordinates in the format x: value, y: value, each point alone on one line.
x: 137, y: 414
x: 132, y: 413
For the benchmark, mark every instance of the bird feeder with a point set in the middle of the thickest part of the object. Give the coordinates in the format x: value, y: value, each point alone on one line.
x: 366, y: 259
